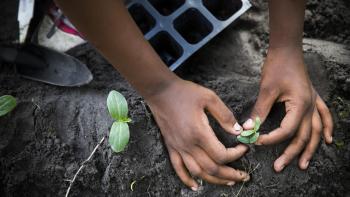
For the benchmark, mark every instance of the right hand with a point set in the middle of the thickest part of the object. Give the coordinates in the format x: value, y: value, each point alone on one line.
x: 179, y: 111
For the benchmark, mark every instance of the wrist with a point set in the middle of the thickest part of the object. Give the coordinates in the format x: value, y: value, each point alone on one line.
x: 285, y: 55
x: 288, y: 50
x: 157, y: 89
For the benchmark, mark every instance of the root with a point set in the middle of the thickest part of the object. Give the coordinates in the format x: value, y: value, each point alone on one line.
x: 250, y: 171
x: 82, y: 166
x: 240, y: 189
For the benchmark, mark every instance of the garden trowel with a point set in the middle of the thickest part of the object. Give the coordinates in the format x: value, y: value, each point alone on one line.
x: 46, y: 65
x: 40, y: 63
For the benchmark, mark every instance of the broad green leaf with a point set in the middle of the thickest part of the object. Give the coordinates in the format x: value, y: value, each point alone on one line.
x: 257, y: 123
x: 117, y: 106
x: 243, y: 139
x: 247, y: 133
x: 119, y: 136
x: 7, y: 104
x: 254, y: 138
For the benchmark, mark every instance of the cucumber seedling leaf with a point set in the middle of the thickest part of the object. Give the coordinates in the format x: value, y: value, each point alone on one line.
x: 243, y: 139
x: 117, y: 106
x: 7, y: 104
x: 257, y: 124
x: 119, y: 136
x: 254, y: 138
x: 250, y: 136
x: 247, y: 133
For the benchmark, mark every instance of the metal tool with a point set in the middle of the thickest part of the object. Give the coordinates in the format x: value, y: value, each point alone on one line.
x: 40, y: 63
x: 46, y: 65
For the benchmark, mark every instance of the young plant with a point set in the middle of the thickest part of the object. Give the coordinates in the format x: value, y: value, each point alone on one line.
x: 7, y: 104
x: 250, y: 136
x: 118, y: 109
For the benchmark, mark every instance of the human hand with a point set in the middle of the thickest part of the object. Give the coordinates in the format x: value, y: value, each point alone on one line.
x: 285, y: 79
x: 179, y: 111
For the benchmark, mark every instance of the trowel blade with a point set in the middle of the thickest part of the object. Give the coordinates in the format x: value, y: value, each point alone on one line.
x: 61, y: 69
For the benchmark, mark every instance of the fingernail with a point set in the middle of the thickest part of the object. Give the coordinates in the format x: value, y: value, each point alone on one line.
x: 194, y: 188
x: 249, y: 124
x: 281, y: 167
x: 230, y: 183
x: 331, y: 139
x: 245, y: 175
x: 247, y: 178
x: 237, y: 128
x: 307, y: 164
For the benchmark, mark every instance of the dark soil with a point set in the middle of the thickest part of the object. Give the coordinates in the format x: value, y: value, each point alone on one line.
x: 53, y: 129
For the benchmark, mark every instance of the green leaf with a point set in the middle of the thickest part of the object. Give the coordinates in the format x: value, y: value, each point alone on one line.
x: 247, y: 133
x: 125, y: 120
x: 254, y: 138
x: 117, y: 106
x: 339, y: 143
x: 257, y: 124
x: 119, y: 136
x: 243, y: 139
x: 7, y: 104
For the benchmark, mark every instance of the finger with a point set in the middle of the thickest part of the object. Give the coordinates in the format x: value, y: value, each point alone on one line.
x: 262, y: 107
x: 216, y: 170
x: 217, y: 151
x: 223, y: 115
x: 181, y: 171
x: 326, y: 117
x: 296, y: 146
x: 289, y: 125
x: 314, y: 141
x: 197, y: 171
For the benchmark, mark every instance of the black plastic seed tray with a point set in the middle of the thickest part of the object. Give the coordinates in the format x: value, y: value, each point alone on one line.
x: 178, y: 28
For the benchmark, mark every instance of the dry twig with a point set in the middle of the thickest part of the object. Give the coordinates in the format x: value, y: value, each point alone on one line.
x: 83, y: 165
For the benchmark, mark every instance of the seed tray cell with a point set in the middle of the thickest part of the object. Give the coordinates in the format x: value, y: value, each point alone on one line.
x: 178, y: 28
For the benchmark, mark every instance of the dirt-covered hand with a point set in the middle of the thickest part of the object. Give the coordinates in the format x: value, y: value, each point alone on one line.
x: 285, y: 79
x: 179, y: 111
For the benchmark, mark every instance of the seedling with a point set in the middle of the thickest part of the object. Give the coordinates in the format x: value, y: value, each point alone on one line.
x: 339, y: 143
x: 7, y: 104
x: 118, y: 109
x: 250, y: 136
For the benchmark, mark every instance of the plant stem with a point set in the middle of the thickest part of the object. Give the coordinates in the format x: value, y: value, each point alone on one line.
x: 83, y: 165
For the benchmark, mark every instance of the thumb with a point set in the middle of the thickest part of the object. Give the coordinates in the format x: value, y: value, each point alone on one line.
x: 223, y: 115
x: 262, y: 107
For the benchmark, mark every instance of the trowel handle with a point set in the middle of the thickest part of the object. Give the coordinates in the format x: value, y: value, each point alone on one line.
x: 21, y: 57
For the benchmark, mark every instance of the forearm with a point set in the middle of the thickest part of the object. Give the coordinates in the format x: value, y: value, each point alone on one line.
x: 109, y: 27
x: 286, y: 23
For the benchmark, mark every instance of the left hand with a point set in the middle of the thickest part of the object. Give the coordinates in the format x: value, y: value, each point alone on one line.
x: 285, y: 79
